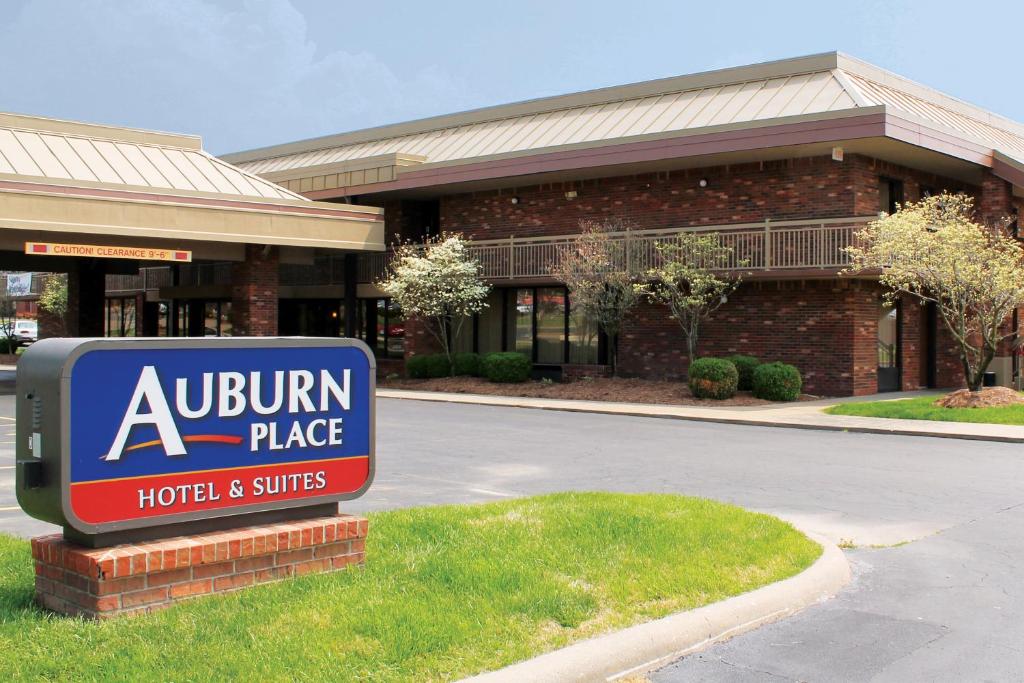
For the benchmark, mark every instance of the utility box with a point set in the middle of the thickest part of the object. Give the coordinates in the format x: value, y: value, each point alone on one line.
x: 120, y: 440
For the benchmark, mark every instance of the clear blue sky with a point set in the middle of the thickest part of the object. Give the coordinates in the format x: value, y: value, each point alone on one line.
x: 248, y: 73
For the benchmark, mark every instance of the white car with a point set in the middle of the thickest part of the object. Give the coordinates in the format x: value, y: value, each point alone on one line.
x: 26, y: 331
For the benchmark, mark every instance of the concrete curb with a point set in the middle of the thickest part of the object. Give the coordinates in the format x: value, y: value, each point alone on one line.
x: 664, y: 412
x: 647, y: 646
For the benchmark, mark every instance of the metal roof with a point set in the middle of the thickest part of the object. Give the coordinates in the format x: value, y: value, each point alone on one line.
x: 33, y: 147
x: 789, y: 89
x: 85, y: 181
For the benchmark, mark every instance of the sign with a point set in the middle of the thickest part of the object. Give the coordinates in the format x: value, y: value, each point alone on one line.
x: 155, y: 432
x: 97, y: 251
x: 19, y: 284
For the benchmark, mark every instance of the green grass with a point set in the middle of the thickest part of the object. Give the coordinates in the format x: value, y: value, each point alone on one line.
x: 447, y: 591
x: 924, y: 408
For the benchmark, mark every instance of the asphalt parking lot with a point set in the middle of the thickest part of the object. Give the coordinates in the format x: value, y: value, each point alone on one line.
x: 939, y: 599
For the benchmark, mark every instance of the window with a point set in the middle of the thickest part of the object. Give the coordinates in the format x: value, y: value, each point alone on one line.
x: 381, y: 324
x: 217, y: 319
x: 551, y: 324
x: 120, y: 317
x: 890, y: 194
x: 538, y: 322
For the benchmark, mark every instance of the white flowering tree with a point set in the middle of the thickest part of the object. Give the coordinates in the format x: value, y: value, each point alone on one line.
x: 592, y: 266
x: 439, y: 283
x: 935, y: 251
x: 691, y: 280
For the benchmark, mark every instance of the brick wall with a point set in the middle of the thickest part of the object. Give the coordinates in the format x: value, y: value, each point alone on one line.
x: 254, y: 292
x: 787, y: 189
x: 99, y: 583
x: 865, y: 173
x: 827, y: 328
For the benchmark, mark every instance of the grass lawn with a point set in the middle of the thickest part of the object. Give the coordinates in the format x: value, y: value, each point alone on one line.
x: 447, y: 591
x: 923, y: 408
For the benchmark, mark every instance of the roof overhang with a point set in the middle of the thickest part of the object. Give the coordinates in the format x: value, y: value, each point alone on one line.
x: 867, y: 127
x: 34, y: 207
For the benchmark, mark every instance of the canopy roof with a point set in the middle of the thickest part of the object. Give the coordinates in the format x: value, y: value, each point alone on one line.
x: 85, y: 179
x: 830, y: 86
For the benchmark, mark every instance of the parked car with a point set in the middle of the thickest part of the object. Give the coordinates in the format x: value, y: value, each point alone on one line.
x: 26, y: 331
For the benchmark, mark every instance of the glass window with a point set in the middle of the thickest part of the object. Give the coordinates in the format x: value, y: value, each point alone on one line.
x: 225, y: 319
x: 489, y: 322
x: 396, y: 330
x: 550, y: 304
x: 888, y: 328
x: 520, y: 322
x: 128, y: 318
x: 113, y: 317
x: 584, y: 339
x: 163, y: 320
x: 211, y: 318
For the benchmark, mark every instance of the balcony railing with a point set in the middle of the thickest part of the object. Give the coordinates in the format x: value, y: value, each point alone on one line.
x: 766, y: 246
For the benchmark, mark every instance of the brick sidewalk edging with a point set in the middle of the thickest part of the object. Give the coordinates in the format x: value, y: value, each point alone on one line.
x: 99, y: 583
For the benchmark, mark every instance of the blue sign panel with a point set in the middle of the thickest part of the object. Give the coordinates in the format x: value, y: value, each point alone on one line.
x: 158, y: 432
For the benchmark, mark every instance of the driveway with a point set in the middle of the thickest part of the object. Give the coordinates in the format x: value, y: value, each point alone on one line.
x: 945, y: 607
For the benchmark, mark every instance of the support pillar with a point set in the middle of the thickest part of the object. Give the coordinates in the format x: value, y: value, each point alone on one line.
x: 351, y: 298
x: 254, y: 292
x: 87, y: 283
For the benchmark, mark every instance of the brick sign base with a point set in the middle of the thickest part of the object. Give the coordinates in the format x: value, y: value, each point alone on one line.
x: 99, y: 583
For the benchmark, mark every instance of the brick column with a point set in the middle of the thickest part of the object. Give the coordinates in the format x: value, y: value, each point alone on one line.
x: 87, y: 284
x: 996, y: 200
x: 254, y: 292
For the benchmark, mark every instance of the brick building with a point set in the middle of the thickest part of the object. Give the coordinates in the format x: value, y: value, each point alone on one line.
x: 784, y: 160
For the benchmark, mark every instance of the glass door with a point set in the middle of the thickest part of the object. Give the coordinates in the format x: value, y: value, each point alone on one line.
x: 888, y: 348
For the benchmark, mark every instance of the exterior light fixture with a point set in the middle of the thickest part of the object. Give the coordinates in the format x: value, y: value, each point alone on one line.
x: 571, y: 194
x: 515, y: 200
x: 703, y: 182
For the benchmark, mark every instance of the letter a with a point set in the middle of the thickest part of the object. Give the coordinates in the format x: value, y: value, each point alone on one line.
x: 159, y: 415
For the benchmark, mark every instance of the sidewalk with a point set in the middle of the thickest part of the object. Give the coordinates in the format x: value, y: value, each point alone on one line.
x: 802, y: 415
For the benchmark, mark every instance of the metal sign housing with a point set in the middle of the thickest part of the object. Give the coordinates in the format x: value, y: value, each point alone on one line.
x: 116, y: 435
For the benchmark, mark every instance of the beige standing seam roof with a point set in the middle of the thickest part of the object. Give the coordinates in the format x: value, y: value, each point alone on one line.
x: 76, y: 180
x: 790, y: 90
x: 37, y: 147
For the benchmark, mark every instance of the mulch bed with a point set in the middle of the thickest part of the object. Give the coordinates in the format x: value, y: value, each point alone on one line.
x: 988, y: 397
x: 619, y: 389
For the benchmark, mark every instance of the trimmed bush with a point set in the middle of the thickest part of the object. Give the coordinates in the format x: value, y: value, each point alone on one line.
x: 466, y: 365
x: 713, y: 378
x: 745, y: 366
x: 428, y: 366
x: 777, y: 382
x: 8, y: 345
x: 506, y: 367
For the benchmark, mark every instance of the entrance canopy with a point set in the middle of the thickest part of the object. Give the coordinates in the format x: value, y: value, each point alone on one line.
x: 64, y: 181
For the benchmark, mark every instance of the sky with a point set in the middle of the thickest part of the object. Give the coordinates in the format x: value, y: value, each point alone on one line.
x: 251, y: 73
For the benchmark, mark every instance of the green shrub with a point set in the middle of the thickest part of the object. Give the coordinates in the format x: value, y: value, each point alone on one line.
x: 506, y: 367
x: 745, y: 366
x: 8, y: 345
x: 428, y: 366
x: 20, y: 350
x: 713, y: 378
x: 466, y: 365
x: 777, y: 382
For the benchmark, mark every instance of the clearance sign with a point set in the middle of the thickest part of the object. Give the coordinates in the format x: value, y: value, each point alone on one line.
x: 98, y: 251
x: 161, y: 431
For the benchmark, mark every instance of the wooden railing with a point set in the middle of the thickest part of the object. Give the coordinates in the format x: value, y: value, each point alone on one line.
x: 766, y: 246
